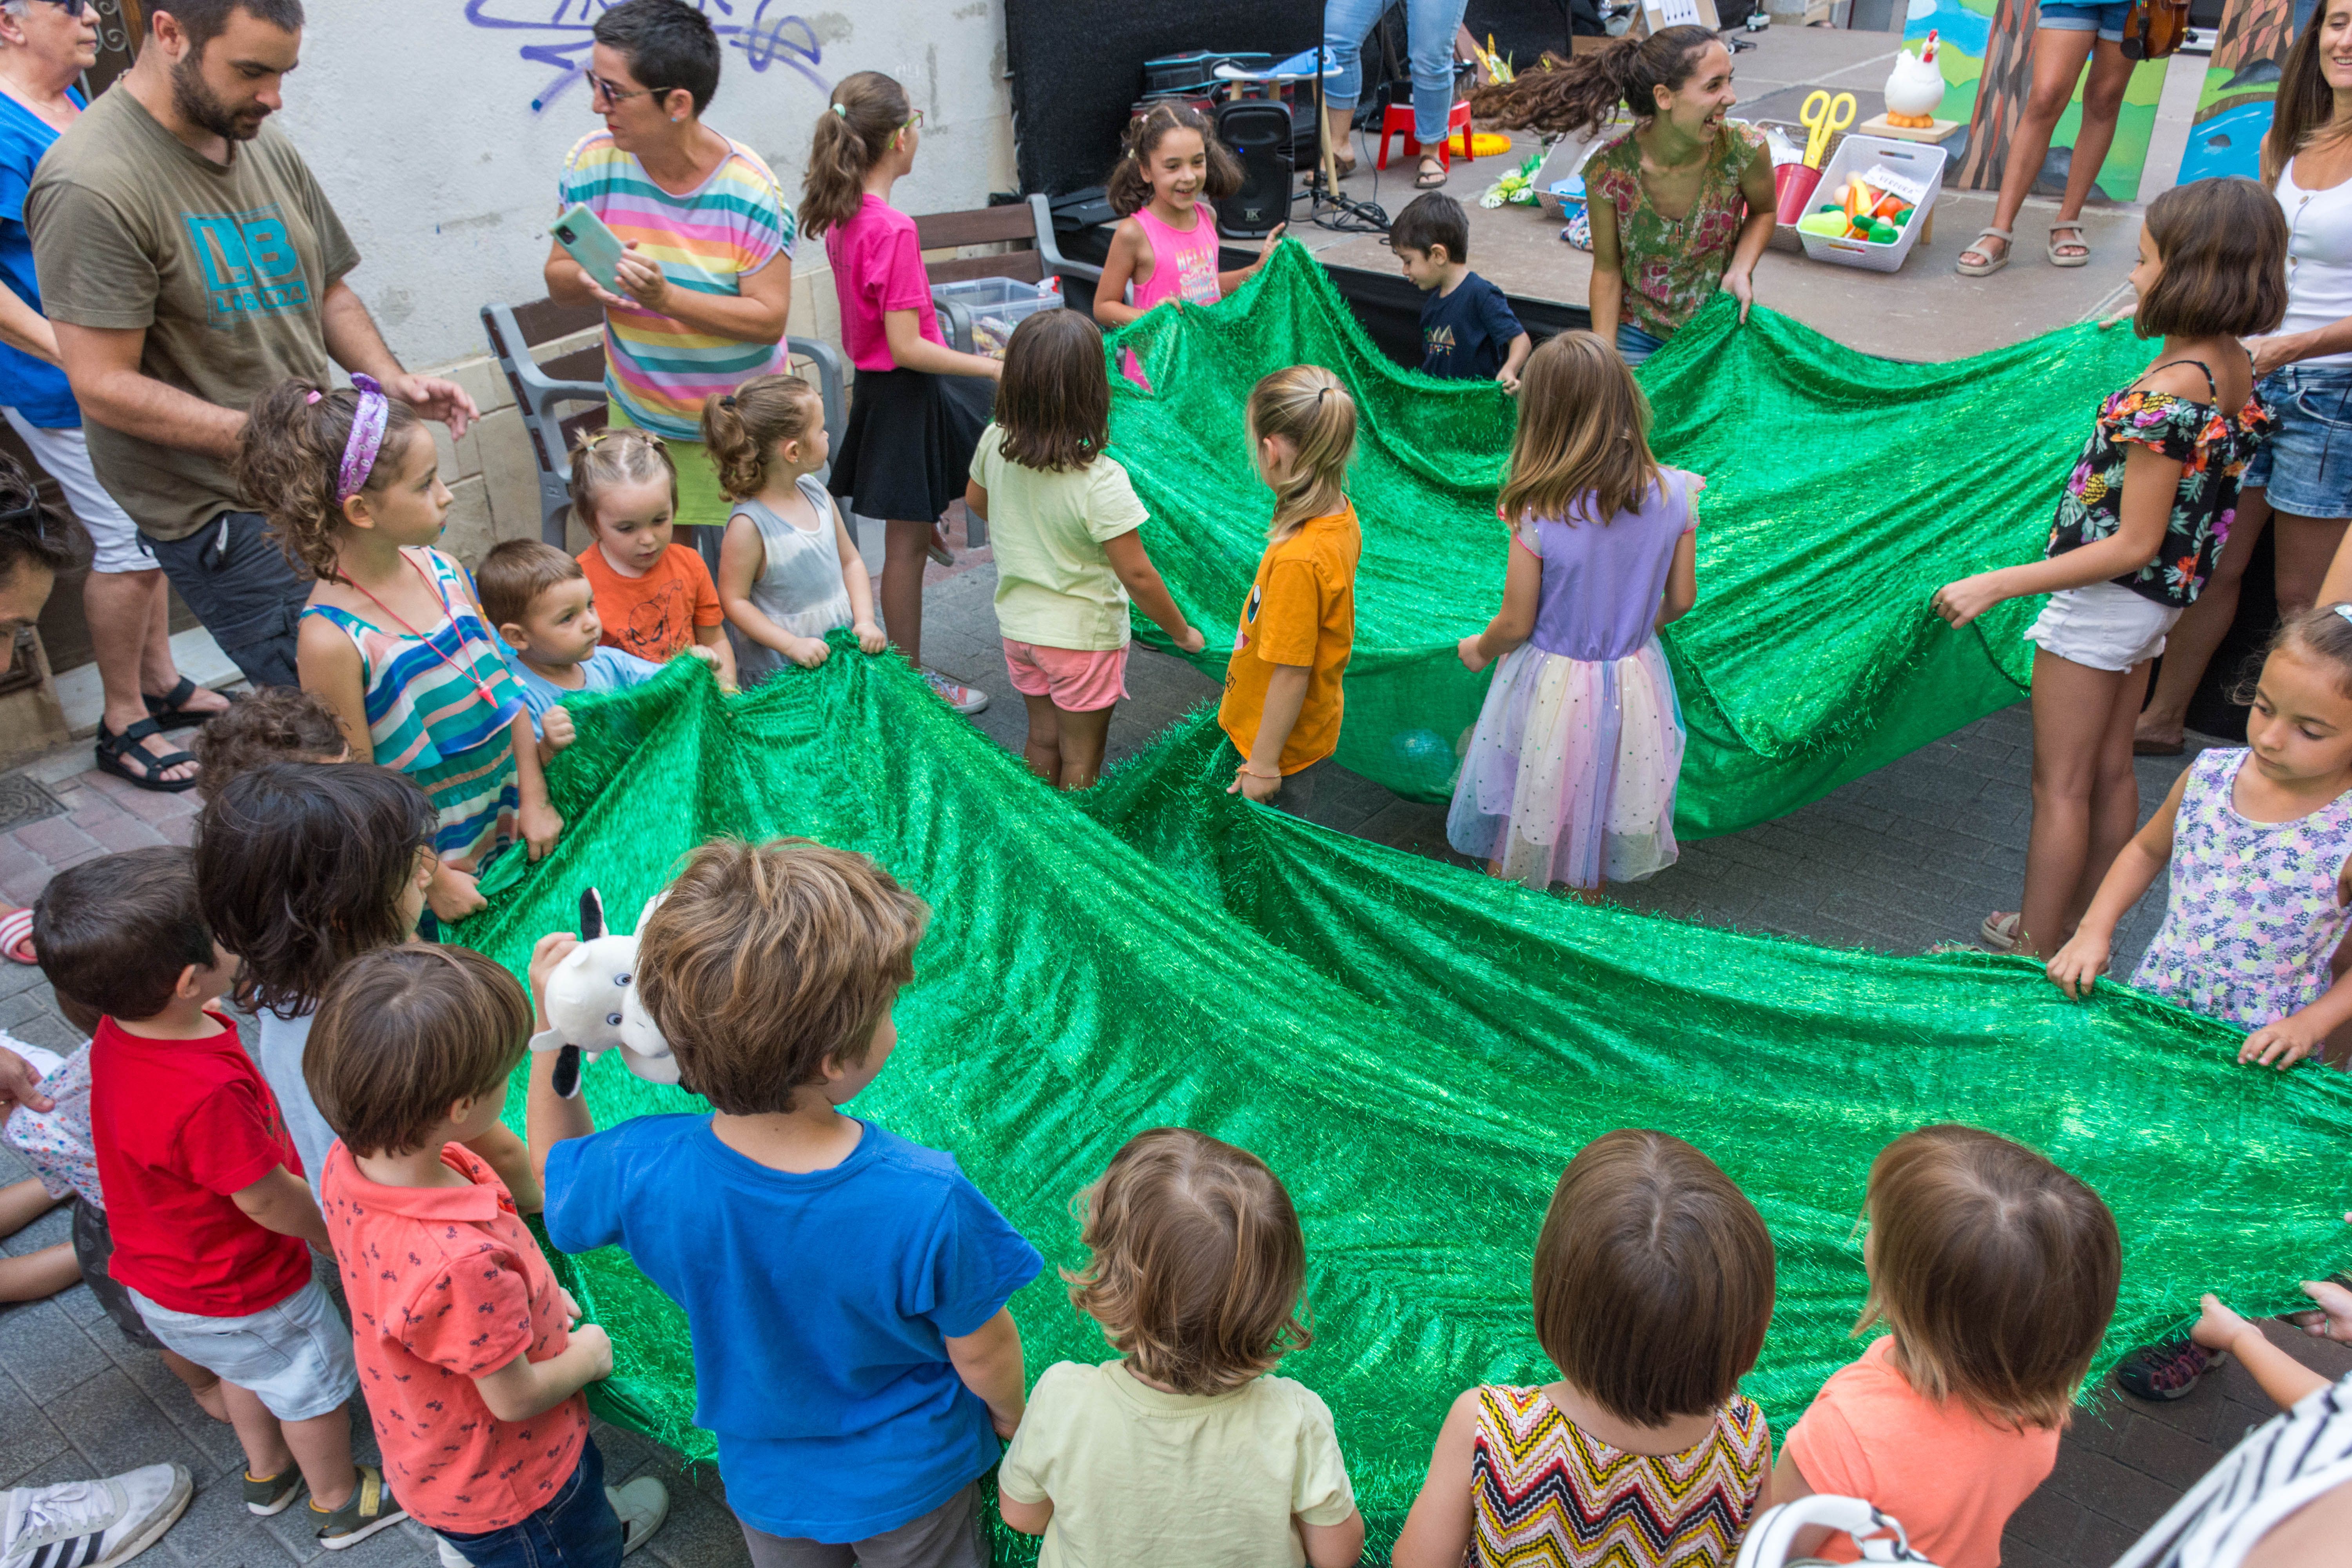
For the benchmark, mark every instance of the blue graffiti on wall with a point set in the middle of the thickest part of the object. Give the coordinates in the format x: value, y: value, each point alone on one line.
x: 760, y: 28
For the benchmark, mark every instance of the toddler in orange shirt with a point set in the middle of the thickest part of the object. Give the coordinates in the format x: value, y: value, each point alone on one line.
x: 1996, y: 1273
x: 467, y: 1347
x: 655, y: 598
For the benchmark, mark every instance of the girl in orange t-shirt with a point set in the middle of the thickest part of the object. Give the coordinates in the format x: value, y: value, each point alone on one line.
x: 1282, y: 700
x: 655, y: 598
x: 1996, y: 1272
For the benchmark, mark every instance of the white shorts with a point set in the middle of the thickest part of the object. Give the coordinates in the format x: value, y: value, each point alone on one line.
x: 65, y: 455
x: 296, y: 1357
x: 2105, y: 625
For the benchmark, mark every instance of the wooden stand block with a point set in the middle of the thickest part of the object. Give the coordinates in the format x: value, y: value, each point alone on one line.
x: 1942, y: 131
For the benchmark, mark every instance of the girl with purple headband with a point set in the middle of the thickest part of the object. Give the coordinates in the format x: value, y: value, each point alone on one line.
x: 393, y: 640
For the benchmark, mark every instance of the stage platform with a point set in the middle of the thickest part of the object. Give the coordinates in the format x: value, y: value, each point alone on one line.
x: 1925, y: 311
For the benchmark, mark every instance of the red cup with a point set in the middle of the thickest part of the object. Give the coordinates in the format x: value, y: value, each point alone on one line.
x: 1793, y: 184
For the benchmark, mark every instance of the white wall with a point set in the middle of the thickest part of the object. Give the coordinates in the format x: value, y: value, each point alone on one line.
x: 421, y: 125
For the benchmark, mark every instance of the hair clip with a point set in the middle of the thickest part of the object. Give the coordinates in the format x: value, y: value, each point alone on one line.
x: 1320, y: 394
x: 315, y: 395
x: 2344, y: 610
x: 727, y: 401
x: 838, y: 109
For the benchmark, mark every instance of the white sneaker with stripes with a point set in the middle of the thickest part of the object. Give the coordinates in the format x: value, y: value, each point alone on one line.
x: 92, y: 1524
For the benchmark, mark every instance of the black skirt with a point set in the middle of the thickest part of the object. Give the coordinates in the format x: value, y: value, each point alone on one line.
x: 907, y: 451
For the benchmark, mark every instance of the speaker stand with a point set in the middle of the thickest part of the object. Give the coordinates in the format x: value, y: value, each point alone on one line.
x: 1326, y: 207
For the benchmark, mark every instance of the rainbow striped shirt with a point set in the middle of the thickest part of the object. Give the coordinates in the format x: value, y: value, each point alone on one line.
x: 658, y: 370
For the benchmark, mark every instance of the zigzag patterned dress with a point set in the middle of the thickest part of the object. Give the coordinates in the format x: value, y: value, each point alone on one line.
x: 1545, y: 1494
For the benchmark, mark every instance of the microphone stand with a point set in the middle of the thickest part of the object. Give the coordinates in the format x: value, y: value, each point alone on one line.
x: 1326, y: 208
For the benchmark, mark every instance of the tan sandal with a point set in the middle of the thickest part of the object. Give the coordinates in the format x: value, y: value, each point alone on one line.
x: 2050, y: 246
x: 1986, y: 269
x: 2003, y: 930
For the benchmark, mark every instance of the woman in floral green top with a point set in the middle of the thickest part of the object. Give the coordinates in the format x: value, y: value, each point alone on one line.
x: 1681, y: 204
x: 2138, y: 524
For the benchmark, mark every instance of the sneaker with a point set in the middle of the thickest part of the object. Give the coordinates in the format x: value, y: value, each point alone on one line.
x: 965, y: 699
x: 92, y: 1524
x: 370, y: 1508
x: 643, y: 1504
x: 2168, y: 1370
x: 265, y: 1495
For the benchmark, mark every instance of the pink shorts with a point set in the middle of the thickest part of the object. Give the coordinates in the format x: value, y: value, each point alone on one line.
x: 1077, y: 681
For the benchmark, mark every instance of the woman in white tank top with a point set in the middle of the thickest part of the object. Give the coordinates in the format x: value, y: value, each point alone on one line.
x: 2300, y: 484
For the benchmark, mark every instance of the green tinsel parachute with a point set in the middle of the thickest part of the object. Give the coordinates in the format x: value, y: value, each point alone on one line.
x: 1842, y: 491
x: 1417, y: 1050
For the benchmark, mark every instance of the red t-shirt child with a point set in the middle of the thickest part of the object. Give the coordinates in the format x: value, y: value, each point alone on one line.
x: 655, y: 616
x: 878, y: 267
x: 445, y: 1285
x: 180, y: 1126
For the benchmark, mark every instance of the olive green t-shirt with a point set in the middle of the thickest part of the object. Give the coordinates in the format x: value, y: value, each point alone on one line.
x: 224, y: 265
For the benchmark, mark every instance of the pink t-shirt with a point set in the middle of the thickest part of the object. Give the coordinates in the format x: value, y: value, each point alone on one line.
x: 877, y: 267
x: 1952, y: 1477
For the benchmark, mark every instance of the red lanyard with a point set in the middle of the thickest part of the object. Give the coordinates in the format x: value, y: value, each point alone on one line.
x: 473, y: 681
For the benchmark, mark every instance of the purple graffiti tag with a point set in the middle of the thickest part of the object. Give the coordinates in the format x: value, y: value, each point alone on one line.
x: 561, y: 36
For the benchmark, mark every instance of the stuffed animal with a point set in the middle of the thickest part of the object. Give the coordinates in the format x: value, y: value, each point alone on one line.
x: 592, y: 1005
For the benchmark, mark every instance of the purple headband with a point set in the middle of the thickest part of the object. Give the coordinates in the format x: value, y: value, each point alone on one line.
x: 366, y: 438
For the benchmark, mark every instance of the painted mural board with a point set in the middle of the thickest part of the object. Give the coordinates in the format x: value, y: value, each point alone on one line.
x: 2233, y: 107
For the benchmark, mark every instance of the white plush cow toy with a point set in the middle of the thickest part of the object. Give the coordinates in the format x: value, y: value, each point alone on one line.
x: 592, y: 1005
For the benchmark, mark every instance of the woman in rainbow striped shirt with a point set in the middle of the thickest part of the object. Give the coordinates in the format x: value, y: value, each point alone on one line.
x: 707, y: 279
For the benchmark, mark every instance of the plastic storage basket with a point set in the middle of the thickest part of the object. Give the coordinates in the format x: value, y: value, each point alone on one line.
x: 979, y: 314
x: 1923, y: 161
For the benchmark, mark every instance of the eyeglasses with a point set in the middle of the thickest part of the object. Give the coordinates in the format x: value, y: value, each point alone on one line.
x: 610, y: 92
x: 914, y: 123
x: 73, y: 8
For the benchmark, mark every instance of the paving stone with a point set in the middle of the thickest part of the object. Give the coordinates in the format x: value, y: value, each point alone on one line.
x: 46, y: 1351
x: 27, y: 1435
x: 116, y: 1427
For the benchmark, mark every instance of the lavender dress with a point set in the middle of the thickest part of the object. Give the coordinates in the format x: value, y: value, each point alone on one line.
x: 2252, y: 921
x: 1569, y: 776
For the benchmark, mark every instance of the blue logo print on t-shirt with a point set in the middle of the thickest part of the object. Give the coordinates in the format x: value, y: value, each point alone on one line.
x: 251, y: 267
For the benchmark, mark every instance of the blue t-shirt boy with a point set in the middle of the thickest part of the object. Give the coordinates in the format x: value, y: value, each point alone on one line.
x: 606, y: 670
x: 1466, y: 335
x: 819, y: 1304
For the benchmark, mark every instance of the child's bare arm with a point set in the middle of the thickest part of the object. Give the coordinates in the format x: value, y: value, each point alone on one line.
x: 1789, y: 1485
x: 328, y: 664
x: 2083, y: 959
x: 523, y: 1388
x: 281, y: 1201
x: 1339, y: 1545
x: 1521, y: 346
x: 541, y: 822
x: 510, y: 1158
x: 1516, y: 621
x: 1142, y: 581
x: 1682, y: 582
x: 1111, y: 308
x: 1436, y: 1532
x: 2283, y: 1378
x: 1028, y: 1518
x: 551, y: 1118
x: 1229, y: 282
x: 1260, y: 774
x: 860, y: 583
x: 989, y: 1360
x: 715, y: 639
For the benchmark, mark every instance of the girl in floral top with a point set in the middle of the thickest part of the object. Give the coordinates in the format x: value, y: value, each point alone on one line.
x: 2142, y: 517
x: 1681, y: 204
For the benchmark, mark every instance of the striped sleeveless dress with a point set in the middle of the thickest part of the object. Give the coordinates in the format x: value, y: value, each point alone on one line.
x: 426, y: 717
x: 1544, y: 1493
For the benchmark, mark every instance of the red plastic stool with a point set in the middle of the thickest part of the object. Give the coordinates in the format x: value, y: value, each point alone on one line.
x: 1396, y: 120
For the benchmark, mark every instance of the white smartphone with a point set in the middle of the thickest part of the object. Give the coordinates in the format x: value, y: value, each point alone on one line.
x: 587, y: 241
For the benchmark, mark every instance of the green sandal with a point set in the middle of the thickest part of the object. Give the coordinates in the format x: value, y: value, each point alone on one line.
x: 265, y: 1495
x: 370, y: 1508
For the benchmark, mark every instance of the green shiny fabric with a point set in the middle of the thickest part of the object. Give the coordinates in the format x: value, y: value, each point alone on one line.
x: 1841, y: 492
x: 1417, y: 1050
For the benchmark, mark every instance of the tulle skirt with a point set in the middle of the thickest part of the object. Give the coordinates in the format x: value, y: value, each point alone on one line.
x: 1569, y: 776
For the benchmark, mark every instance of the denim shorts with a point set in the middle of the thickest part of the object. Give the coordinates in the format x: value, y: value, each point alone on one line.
x: 577, y: 1529
x: 2306, y: 464
x: 295, y: 1357
x: 1635, y: 345
x: 2107, y: 21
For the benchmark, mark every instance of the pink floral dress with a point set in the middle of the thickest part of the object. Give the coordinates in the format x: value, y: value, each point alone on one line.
x: 2252, y: 919
x: 1673, y: 266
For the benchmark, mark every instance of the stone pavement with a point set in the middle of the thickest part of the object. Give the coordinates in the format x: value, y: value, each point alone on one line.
x: 1906, y: 858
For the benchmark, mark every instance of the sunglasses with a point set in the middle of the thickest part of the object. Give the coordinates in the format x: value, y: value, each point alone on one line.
x: 611, y: 92
x: 73, y: 8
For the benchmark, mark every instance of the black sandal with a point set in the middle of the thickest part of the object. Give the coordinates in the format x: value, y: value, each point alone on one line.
x: 115, y: 752
x: 167, y: 711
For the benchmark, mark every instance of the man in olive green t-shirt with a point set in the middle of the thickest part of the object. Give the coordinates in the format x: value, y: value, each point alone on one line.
x: 190, y: 262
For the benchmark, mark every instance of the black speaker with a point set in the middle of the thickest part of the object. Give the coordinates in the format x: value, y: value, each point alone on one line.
x: 1258, y: 131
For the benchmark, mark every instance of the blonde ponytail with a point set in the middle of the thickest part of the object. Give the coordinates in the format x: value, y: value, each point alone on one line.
x: 858, y: 127
x: 1310, y: 407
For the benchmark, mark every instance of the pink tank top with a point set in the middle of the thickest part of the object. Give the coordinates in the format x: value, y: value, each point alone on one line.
x: 1183, y: 266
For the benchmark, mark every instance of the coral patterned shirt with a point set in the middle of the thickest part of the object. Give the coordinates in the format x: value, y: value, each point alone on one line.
x: 445, y: 1285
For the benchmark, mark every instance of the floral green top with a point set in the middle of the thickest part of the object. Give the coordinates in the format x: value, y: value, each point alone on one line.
x: 2213, y: 452
x: 1671, y: 267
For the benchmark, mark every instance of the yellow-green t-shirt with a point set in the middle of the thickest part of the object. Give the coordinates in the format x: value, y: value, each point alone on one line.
x: 1054, y: 586
x: 1139, y: 1478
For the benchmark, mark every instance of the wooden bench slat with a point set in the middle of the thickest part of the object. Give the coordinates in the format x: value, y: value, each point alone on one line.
x: 1025, y: 266
x: 975, y: 225
x: 543, y: 320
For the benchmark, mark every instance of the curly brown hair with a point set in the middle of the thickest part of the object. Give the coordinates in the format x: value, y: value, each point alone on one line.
x: 740, y: 428
x: 290, y: 457
x: 1198, y: 1262
x: 1129, y: 185
x: 274, y: 724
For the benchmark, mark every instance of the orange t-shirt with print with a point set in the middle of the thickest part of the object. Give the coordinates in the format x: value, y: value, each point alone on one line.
x: 1301, y: 610
x: 445, y: 1285
x: 1952, y: 1477
x: 655, y: 616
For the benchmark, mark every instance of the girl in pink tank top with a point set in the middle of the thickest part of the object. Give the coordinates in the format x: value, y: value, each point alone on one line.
x: 1166, y: 247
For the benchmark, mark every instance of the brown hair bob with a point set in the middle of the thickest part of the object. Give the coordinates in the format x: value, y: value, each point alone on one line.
x: 1583, y: 433
x: 765, y: 958
x: 290, y: 461
x: 1996, y: 1271
x: 1198, y: 1261
x: 2223, y: 245
x: 402, y: 1034
x: 1129, y: 187
x: 1653, y: 1278
x: 1053, y: 403
x: 860, y: 123
x: 741, y: 428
